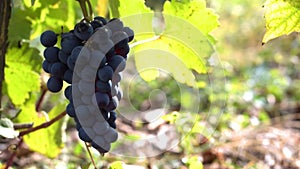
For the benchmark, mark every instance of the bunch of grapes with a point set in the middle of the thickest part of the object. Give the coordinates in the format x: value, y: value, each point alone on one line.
x: 91, y: 59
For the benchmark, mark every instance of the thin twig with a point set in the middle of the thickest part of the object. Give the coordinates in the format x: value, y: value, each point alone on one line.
x: 90, y: 154
x: 144, y: 41
x: 40, y: 101
x: 22, y: 126
x: 44, y: 125
x: 13, y: 155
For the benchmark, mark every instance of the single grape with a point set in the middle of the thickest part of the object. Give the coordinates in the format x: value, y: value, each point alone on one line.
x: 100, y: 18
x: 51, y: 54
x: 46, y: 66
x: 123, y: 50
x: 105, y: 73
x: 68, y: 75
x: 48, y: 38
x: 73, y: 57
x: 129, y: 33
x: 112, y: 117
x: 113, y: 125
x: 71, y: 110
x: 102, y: 99
x: 117, y: 63
x: 83, y: 136
x: 68, y: 92
x: 120, y: 38
x: 68, y: 42
x: 58, y: 69
x: 103, y: 87
x: 54, y: 84
x: 83, y: 30
x: 105, y: 114
x: 63, y: 57
x: 96, y: 24
x: 112, y: 105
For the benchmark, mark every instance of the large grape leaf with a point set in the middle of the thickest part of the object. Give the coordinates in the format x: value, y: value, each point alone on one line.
x: 194, y: 12
x: 22, y: 73
x: 176, y: 51
x: 282, y: 18
x: 122, y: 8
x: 47, y: 141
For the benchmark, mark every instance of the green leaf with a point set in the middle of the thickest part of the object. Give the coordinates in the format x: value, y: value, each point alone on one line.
x: 175, y: 51
x: 122, y: 8
x: 117, y: 165
x: 7, y: 128
x: 47, y: 141
x: 282, y: 18
x: 19, y: 27
x: 22, y: 73
x: 194, y: 12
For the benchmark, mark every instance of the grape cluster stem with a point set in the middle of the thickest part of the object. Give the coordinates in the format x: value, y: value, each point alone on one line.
x: 88, y: 14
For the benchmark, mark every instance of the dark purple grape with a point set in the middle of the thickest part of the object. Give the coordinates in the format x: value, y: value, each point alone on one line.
x: 68, y: 92
x: 69, y: 42
x: 105, y: 73
x: 102, y: 99
x: 83, y: 30
x: 51, y: 54
x: 103, y: 87
x: 83, y: 136
x: 73, y: 57
x: 112, y: 105
x: 129, y: 33
x: 48, y: 38
x: 63, y: 57
x: 68, y: 76
x: 58, y: 69
x: 96, y: 24
x: 117, y: 63
x: 100, y: 18
x: 70, y: 110
x: 112, y: 117
x: 46, y: 66
x: 54, y: 84
x: 123, y: 50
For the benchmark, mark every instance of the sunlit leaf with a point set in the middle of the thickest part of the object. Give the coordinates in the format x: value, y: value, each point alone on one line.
x: 116, y: 165
x: 22, y: 73
x: 196, y: 13
x: 47, y: 141
x: 282, y: 18
x: 123, y: 8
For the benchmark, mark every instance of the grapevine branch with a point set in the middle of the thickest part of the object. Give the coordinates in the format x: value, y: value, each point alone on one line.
x: 43, y: 125
x: 30, y: 130
x: 5, y: 10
